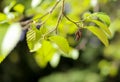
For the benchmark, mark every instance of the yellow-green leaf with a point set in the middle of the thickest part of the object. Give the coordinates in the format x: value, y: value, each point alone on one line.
x: 99, y: 33
x: 2, y: 17
x: 2, y: 57
x: 44, y: 54
x: 3, y: 30
x: 34, y: 36
x: 61, y: 42
x: 103, y: 17
x: 19, y: 8
x: 102, y: 26
x: 32, y: 40
x: 10, y: 40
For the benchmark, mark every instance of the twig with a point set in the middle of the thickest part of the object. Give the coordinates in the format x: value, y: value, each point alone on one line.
x: 51, y: 10
x: 70, y: 20
x: 54, y: 6
x: 63, y: 6
x: 58, y: 21
x: 68, y: 17
x: 60, y: 15
x: 25, y: 24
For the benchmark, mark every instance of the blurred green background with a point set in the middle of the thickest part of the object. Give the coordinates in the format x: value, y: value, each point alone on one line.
x: 96, y: 63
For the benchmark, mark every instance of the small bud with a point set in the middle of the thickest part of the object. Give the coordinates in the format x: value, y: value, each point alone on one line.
x: 78, y: 35
x: 38, y: 27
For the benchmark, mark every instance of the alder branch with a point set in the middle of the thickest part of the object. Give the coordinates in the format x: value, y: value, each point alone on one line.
x: 71, y: 20
x: 58, y: 22
x: 63, y: 4
x: 60, y: 15
x: 25, y: 24
x: 59, y: 19
x: 51, y: 10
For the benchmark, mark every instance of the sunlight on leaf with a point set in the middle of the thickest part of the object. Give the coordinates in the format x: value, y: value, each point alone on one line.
x: 11, y: 39
x: 55, y: 60
x: 3, y: 30
x: 35, y: 3
x: 94, y: 3
x: 74, y: 53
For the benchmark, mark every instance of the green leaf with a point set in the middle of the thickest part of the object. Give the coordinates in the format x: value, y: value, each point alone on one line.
x: 10, y: 39
x: 86, y: 16
x: 102, y: 26
x: 34, y: 36
x: 19, y: 8
x: 2, y: 17
x: 103, y: 17
x: 99, y: 33
x: 3, y: 30
x: 2, y: 58
x: 61, y: 42
x: 44, y: 54
x: 32, y: 40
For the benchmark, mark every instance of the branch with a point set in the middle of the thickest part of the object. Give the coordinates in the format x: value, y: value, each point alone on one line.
x: 51, y: 10
x: 58, y: 21
x: 26, y: 24
x: 63, y: 4
x: 71, y: 20
x: 60, y: 15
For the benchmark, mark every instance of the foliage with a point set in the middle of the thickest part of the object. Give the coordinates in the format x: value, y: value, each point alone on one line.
x: 74, y: 76
x: 56, y: 31
x: 39, y: 34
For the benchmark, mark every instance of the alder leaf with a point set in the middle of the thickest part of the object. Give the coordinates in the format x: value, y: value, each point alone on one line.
x: 102, y: 26
x: 34, y: 37
x: 44, y: 54
x: 61, y: 42
x: 19, y: 8
x: 10, y: 39
x: 103, y: 17
x: 32, y: 40
x: 99, y: 33
x: 2, y: 17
